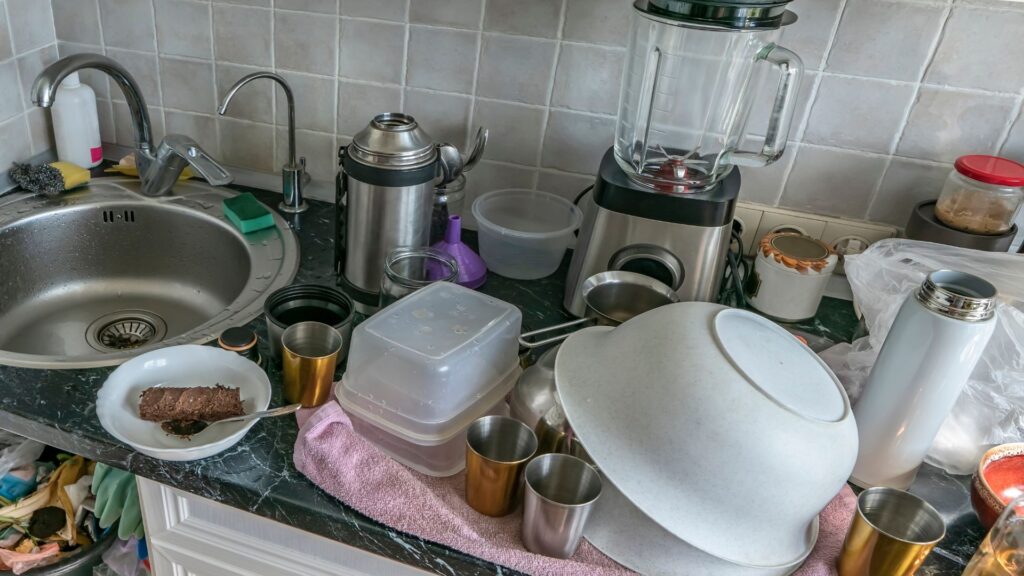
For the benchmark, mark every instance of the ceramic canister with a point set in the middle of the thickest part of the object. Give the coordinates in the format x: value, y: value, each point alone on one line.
x: 933, y: 346
x: 791, y: 272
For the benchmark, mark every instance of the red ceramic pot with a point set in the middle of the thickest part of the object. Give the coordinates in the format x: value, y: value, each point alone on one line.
x: 998, y: 480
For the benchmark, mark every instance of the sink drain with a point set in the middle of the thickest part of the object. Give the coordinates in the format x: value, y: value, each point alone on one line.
x: 125, y: 330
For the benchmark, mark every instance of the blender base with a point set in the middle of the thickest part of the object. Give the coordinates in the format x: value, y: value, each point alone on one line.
x: 679, y: 239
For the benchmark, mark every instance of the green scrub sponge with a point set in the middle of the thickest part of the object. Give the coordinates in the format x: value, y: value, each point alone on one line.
x: 247, y: 214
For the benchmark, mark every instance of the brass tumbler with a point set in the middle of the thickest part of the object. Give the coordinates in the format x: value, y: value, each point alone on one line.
x: 892, y: 533
x: 309, y: 358
x: 497, y: 450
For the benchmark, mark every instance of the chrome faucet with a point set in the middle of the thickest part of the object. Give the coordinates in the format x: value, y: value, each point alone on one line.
x: 158, y: 169
x: 293, y: 173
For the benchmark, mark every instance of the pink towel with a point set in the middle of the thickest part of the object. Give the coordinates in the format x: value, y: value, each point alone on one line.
x: 341, y: 462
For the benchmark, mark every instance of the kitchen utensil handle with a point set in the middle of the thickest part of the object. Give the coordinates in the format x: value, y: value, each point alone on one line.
x: 264, y: 414
x: 450, y: 162
x: 526, y: 343
x: 781, y: 118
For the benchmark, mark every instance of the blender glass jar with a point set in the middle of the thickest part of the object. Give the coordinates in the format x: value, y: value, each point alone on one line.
x: 982, y: 195
x: 687, y: 95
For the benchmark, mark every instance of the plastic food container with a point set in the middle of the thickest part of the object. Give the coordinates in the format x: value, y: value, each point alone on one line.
x: 440, y: 454
x: 428, y: 358
x: 982, y: 195
x: 524, y: 233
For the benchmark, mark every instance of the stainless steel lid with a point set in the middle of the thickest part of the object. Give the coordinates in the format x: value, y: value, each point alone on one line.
x: 958, y: 295
x: 731, y: 14
x: 393, y: 141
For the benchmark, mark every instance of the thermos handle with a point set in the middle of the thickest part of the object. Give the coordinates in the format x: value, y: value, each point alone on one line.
x: 781, y: 118
x: 450, y: 163
x: 340, y: 199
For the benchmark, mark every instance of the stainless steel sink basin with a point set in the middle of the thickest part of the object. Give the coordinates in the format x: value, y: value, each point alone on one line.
x: 100, y: 275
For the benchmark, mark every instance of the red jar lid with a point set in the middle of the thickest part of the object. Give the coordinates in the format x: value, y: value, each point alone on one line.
x: 991, y: 170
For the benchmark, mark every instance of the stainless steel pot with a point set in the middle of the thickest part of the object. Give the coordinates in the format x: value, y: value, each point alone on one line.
x: 611, y: 298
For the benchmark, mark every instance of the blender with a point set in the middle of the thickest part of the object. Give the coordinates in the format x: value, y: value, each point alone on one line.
x: 665, y: 193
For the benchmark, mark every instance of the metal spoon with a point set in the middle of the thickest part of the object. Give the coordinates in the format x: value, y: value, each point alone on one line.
x: 193, y: 427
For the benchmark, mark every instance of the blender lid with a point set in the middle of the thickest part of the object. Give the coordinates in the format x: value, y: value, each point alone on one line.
x: 729, y: 14
x: 395, y: 141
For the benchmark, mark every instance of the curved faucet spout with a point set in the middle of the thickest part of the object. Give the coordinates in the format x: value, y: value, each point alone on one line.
x: 44, y: 90
x: 158, y: 167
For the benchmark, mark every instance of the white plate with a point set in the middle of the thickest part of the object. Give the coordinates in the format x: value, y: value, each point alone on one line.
x: 117, y: 403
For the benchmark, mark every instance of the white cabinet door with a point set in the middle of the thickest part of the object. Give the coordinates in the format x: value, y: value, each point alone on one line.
x: 192, y: 536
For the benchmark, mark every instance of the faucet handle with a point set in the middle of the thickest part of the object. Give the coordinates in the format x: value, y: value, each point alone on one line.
x: 189, y: 150
x: 293, y: 177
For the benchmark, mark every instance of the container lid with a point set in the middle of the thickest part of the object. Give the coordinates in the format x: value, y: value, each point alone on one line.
x: 991, y: 170
x: 237, y: 339
x: 393, y: 140
x: 798, y: 252
x: 731, y: 14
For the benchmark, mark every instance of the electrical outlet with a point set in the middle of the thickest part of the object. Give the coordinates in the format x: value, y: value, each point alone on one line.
x: 775, y: 220
x: 854, y: 235
x: 749, y: 218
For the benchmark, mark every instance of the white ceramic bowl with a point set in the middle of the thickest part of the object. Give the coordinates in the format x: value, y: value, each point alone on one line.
x: 117, y: 403
x: 623, y: 532
x: 716, y: 423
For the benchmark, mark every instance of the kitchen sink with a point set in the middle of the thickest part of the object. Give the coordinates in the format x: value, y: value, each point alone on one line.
x: 99, y: 275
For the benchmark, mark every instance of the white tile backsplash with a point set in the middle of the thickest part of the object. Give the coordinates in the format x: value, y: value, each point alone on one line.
x: 981, y: 48
x: 906, y: 183
x: 896, y: 88
x: 452, y: 13
x: 182, y: 28
x: 524, y: 17
x: 31, y: 23
x: 516, y: 68
x: 522, y: 125
x: 832, y: 181
x: 373, y: 51
x: 442, y: 59
x: 79, y: 20
x: 945, y: 124
x: 305, y: 43
x: 128, y: 24
x: 844, y: 105
x: 889, y: 39
x: 586, y: 78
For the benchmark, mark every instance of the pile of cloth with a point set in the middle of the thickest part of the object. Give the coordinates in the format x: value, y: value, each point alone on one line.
x: 55, y: 505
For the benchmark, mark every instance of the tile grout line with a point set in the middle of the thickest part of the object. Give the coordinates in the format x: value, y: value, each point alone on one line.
x: 335, y: 133
x: 905, y: 121
x: 559, y: 34
x: 476, y: 71
x: 811, y: 99
x: 1015, y: 119
x: 216, y: 91
x: 274, y: 89
x: 159, y: 79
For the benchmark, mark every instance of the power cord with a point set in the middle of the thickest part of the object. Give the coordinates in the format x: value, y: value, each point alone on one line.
x: 737, y: 272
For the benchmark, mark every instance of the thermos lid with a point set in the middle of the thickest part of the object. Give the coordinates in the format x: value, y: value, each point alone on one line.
x: 958, y: 295
x: 393, y: 141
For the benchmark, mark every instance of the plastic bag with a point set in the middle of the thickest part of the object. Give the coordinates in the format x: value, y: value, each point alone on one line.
x: 16, y: 452
x: 990, y: 410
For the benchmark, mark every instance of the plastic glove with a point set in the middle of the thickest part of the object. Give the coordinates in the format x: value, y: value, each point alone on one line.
x: 117, y: 497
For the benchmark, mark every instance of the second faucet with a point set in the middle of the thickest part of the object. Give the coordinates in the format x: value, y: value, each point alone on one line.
x: 293, y: 173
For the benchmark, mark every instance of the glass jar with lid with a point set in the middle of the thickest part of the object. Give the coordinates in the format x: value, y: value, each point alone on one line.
x: 982, y: 195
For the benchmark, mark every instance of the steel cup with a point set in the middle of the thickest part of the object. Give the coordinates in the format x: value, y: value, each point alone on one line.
x: 497, y: 450
x: 560, y: 494
x: 310, y: 355
x: 892, y: 533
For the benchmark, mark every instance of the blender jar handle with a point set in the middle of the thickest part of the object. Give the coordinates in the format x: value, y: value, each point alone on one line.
x: 781, y: 119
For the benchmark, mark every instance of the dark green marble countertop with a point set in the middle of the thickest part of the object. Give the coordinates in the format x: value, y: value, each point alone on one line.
x: 257, y: 475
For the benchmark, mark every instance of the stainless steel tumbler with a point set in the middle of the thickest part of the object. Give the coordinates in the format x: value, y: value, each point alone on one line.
x: 559, y: 497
